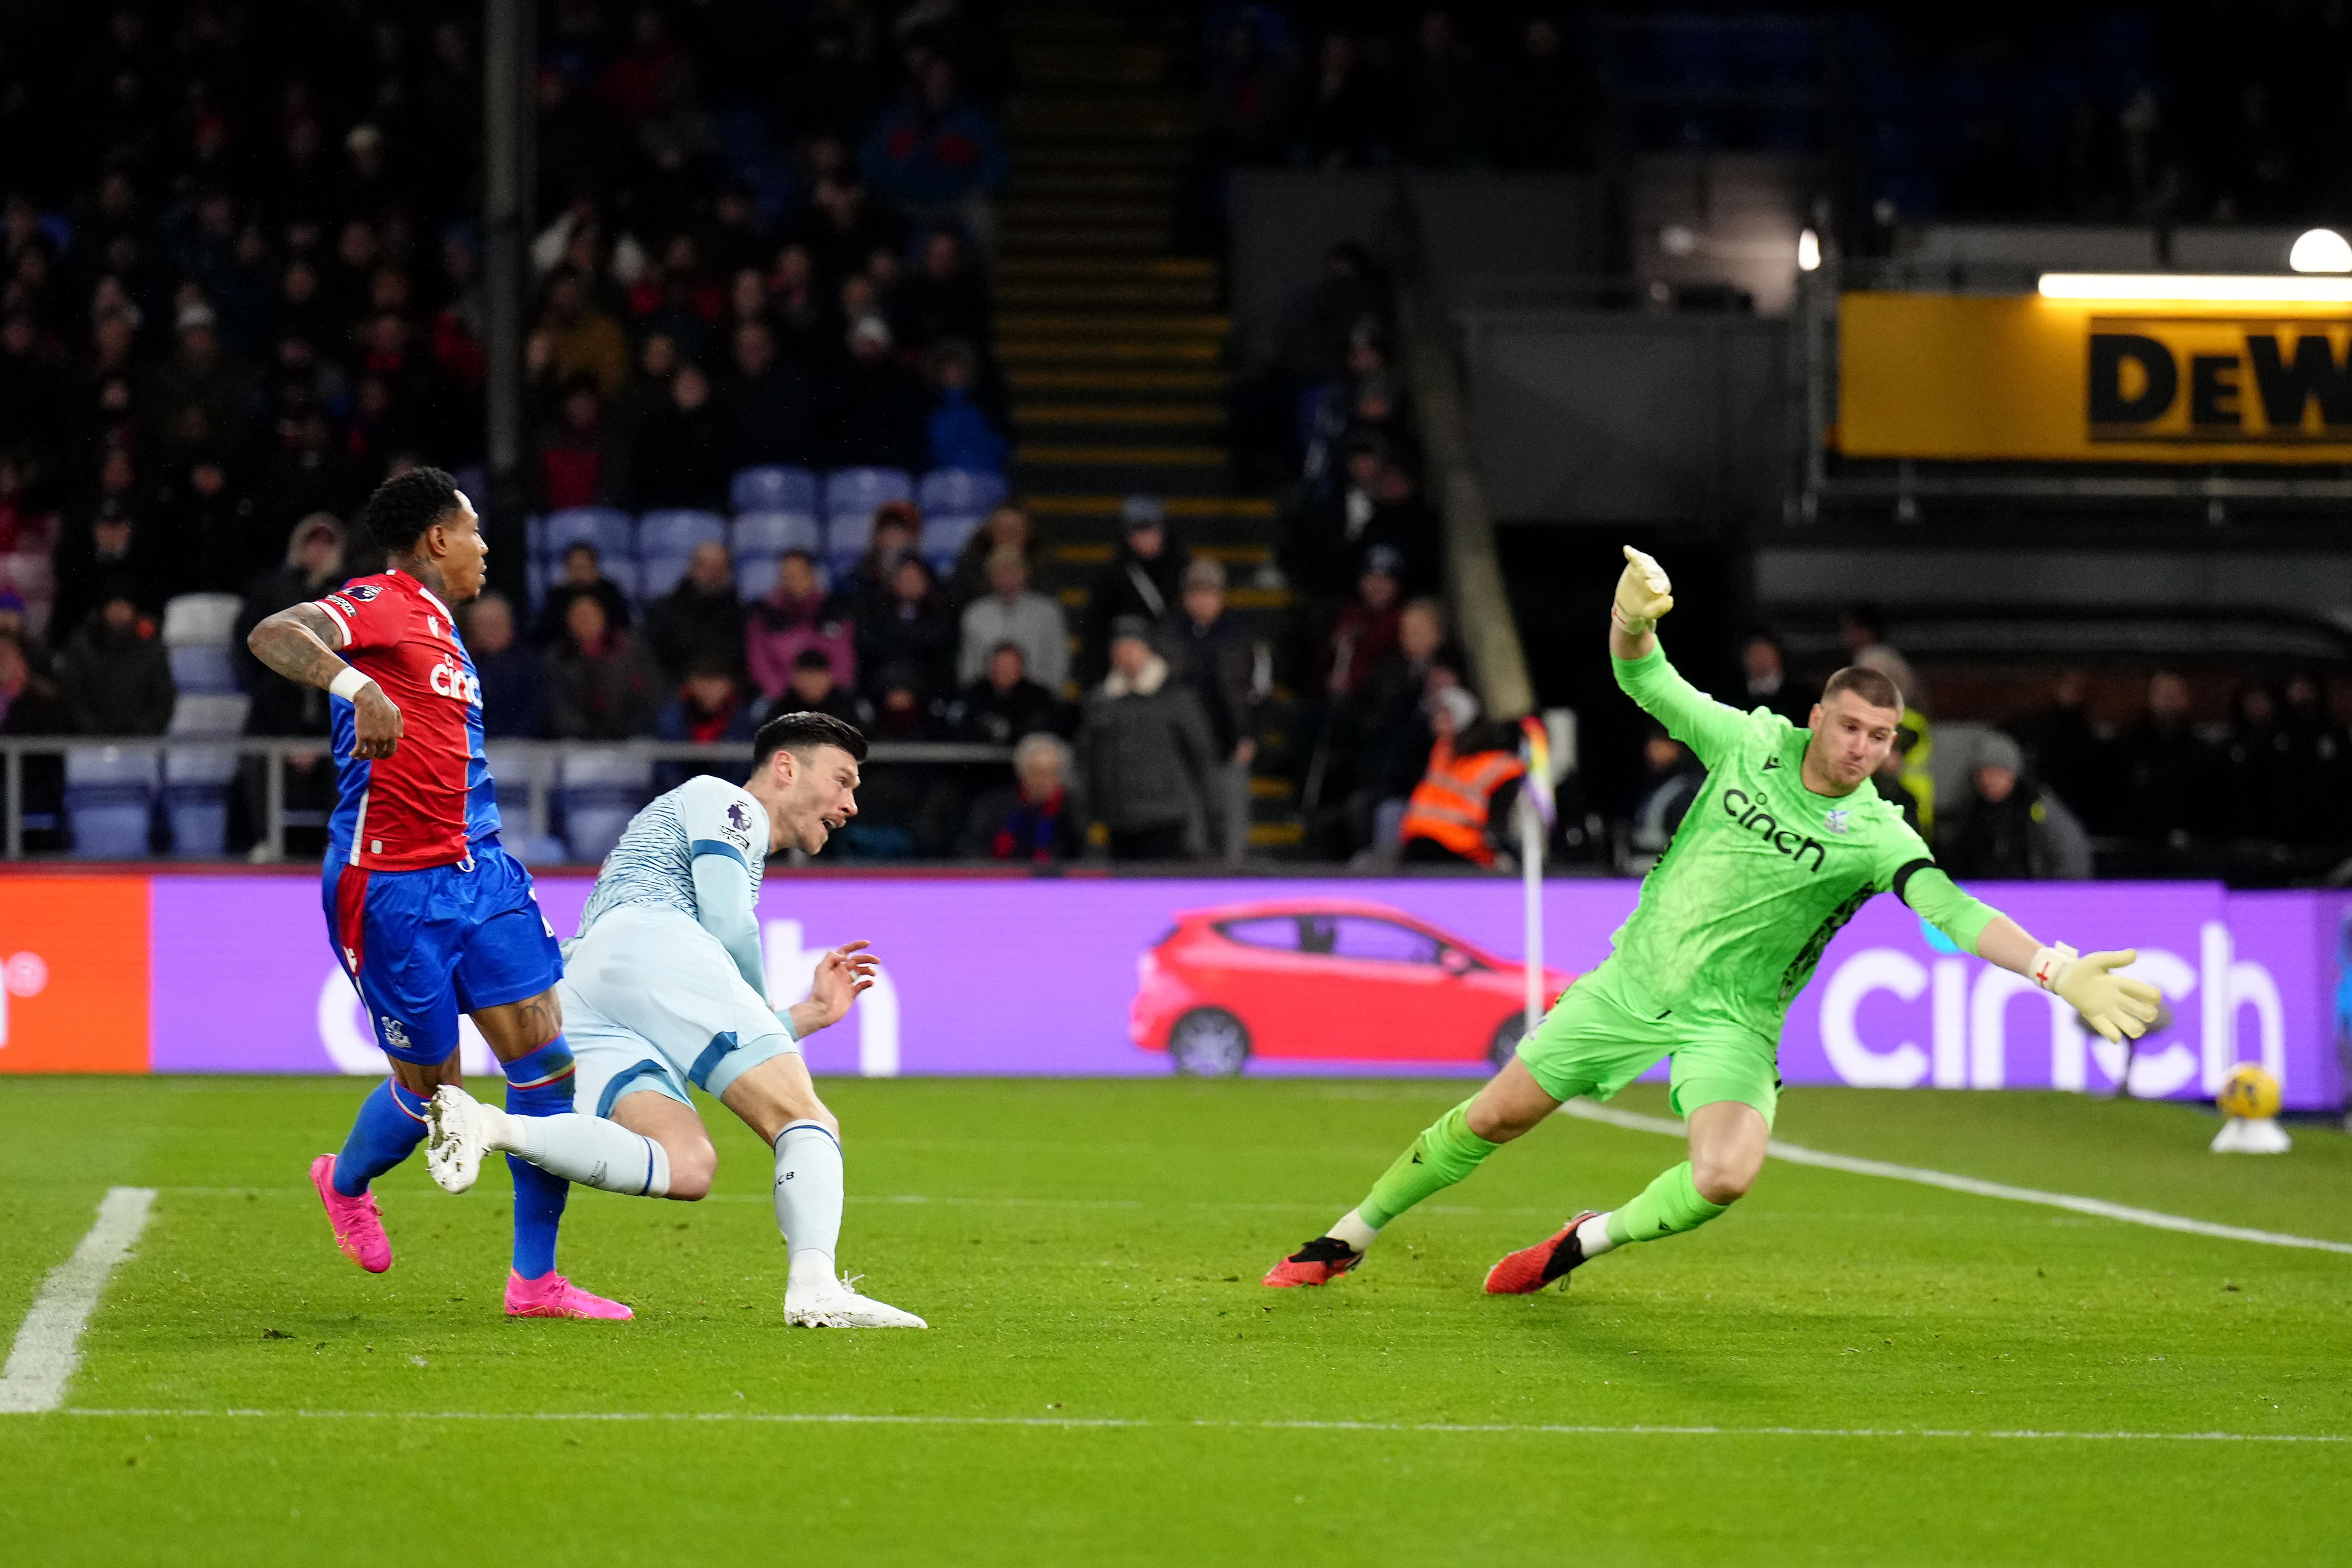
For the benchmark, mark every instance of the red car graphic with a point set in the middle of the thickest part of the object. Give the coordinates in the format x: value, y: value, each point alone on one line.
x: 1328, y: 978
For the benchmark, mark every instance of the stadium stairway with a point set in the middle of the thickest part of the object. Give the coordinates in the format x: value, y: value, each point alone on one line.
x: 1114, y: 344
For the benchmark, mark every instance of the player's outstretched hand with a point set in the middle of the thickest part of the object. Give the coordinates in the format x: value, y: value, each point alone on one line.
x: 1643, y: 594
x: 379, y: 723
x: 2114, y: 1005
x: 843, y: 974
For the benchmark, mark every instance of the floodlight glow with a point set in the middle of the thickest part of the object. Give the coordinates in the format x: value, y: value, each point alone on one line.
x: 2196, y: 287
x: 2321, y: 251
x: 1809, y: 252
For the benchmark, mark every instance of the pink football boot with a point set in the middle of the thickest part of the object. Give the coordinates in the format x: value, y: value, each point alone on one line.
x: 552, y: 1296
x: 359, y: 1227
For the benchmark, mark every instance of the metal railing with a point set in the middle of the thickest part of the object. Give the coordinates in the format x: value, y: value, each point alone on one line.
x: 542, y: 761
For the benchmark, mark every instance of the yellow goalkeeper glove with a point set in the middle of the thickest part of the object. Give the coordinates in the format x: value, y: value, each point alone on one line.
x: 1643, y: 594
x: 2113, y: 1004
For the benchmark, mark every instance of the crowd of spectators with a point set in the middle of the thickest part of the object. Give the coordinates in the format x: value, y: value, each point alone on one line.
x: 1327, y: 86
x: 240, y: 284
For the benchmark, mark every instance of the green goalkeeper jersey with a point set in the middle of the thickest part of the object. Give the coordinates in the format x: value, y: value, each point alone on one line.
x: 1763, y: 872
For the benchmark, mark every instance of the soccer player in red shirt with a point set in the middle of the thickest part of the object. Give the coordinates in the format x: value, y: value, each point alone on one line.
x: 427, y: 915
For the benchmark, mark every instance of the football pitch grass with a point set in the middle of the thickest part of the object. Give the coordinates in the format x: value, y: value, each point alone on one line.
x: 1846, y: 1369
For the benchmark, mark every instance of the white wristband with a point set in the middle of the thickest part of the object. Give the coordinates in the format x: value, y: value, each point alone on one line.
x: 2049, y: 963
x: 349, y: 684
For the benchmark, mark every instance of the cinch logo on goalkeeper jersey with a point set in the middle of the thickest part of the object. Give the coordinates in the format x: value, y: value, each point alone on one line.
x: 1752, y: 818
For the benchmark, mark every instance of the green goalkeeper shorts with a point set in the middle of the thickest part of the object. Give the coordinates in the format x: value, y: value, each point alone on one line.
x: 1607, y: 1030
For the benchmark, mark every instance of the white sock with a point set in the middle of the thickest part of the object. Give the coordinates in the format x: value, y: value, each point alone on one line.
x: 1351, y: 1228
x: 588, y: 1150
x: 808, y: 1205
x: 1592, y: 1235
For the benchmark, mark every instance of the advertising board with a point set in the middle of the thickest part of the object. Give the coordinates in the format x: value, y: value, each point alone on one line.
x: 1106, y: 976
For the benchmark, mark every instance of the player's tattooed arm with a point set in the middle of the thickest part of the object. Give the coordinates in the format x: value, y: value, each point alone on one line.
x: 298, y: 643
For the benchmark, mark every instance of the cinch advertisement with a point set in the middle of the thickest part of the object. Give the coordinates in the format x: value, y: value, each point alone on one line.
x: 2022, y: 377
x: 1133, y: 976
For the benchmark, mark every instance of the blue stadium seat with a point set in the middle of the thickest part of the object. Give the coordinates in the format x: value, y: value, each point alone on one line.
x: 659, y: 574
x: 855, y: 492
x: 534, y: 535
x: 773, y: 533
x: 945, y: 537
x: 599, y: 791
x: 963, y: 492
x: 625, y: 577
x: 754, y: 575
x: 110, y: 801
x: 196, y: 796
x: 538, y: 571
x: 613, y: 533
x: 202, y: 668
x: 775, y: 489
x: 663, y: 533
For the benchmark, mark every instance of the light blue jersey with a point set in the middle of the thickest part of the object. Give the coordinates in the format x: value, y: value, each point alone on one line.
x: 653, y: 863
x: 665, y: 984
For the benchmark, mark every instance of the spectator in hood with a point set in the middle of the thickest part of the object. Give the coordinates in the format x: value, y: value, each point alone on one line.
x: 1142, y: 582
x: 514, y: 679
x: 313, y: 566
x: 113, y: 672
x: 961, y: 435
x: 1145, y: 751
x: 911, y: 630
x: 2009, y: 827
x: 1364, y: 632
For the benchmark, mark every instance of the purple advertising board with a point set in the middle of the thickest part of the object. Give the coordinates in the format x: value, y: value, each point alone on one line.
x: 1097, y: 975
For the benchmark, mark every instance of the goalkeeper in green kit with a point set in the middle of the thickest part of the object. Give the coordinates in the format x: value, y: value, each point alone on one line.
x: 1785, y: 841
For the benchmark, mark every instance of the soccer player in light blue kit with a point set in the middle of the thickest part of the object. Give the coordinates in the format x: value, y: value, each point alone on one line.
x: 664, y: 988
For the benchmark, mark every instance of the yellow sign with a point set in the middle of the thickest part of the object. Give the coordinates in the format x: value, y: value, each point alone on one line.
x: 2025, y: 378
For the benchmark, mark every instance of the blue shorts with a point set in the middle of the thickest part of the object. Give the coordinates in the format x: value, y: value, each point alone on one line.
x: 424, y: 946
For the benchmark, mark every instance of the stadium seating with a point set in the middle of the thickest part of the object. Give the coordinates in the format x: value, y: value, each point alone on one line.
x: 659, y: 574
x: 945, y: 537
x: 661, y: 533
x: 959, y: 492
x: 775, y: 489
x: 199, y: 631
x: 613, y: 533
x: 109, y: 800
x: 197, y: 778
x: 852, y: 494
x: 755, y: 575
x: 773, y: 533
x: 511, y: 779
x: 600, y: 790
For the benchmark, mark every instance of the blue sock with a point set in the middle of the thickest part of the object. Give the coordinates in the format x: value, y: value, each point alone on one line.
x: 391, y: 1125
x: 538, y: 1085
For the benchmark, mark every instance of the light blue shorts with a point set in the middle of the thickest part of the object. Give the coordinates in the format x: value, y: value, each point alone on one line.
x: 652, y: 1002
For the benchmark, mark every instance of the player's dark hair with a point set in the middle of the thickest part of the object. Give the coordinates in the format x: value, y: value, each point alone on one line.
x: 405, y: 505
x: 803, y: 733
x: 1872, y: 686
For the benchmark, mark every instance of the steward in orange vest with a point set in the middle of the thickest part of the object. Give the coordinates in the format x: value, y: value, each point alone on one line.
x: 1446, y: 817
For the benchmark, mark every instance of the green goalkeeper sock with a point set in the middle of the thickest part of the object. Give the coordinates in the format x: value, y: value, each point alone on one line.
x: 1667, y: 1207
x: 1445, y: 1153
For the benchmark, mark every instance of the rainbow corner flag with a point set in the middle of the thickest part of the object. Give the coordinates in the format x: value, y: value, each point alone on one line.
x: 1537, y: 754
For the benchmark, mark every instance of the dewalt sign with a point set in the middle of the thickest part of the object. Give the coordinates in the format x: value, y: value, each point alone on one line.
x: 1968, y: 376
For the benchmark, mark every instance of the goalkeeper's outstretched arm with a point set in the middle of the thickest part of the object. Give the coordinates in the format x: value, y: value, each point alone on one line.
x: 1644, y: 595
x: 2118, y: 1007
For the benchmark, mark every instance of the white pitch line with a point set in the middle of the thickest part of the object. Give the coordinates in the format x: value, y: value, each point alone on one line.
x: 1797, y: 1154
x: 1087, y: 1423
x: 48, y: 1344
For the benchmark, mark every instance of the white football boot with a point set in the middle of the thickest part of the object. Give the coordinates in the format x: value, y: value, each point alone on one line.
x: 459, y: 1139
x: 840, y: 1307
